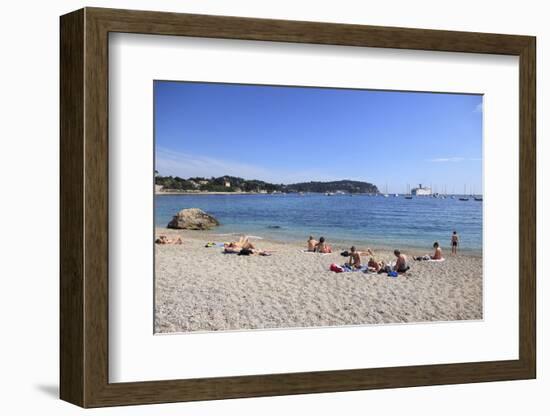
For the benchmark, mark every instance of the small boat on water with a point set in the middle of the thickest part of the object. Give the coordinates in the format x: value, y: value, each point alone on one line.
x: 478, y: 198
x: 408, y: 195
x: 464, y: 198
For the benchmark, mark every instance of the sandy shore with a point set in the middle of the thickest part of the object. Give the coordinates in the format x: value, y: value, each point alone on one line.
x: 202, y: 289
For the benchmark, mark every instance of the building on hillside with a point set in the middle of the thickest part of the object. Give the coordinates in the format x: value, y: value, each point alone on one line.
x: 227, y: 184
x: 421, y: 191
x: 194, y: 184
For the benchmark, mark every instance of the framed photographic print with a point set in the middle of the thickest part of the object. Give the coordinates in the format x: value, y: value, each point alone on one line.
x: 255, y: 207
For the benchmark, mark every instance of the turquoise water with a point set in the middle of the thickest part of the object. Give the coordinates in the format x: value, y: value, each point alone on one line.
x: 360, y: 219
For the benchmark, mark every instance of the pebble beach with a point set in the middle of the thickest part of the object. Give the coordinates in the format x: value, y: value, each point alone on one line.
x: 200, y: 288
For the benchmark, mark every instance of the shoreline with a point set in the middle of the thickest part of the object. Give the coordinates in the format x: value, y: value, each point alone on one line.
x: 337, y: 245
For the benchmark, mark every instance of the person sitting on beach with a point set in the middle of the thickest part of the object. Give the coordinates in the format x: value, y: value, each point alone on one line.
x: 162, y: 239
x: 438, y: 255
x: 454, y: 243
x: 311, y: 243
x: 322, y: 247
x: 401, y: 263
x: 354, y: 258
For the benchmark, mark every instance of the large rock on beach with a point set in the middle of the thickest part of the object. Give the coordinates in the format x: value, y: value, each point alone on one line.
x: 193, y: 219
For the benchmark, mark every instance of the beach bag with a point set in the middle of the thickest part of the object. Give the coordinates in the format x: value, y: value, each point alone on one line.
x: 344, y: 254
x: 336, y: 268
x: 245, y: 252
x: 393, y: 274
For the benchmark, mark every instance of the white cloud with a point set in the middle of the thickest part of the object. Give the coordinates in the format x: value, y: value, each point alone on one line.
x: 185, y: 165
x: 169, y: 162
x: 446, y: 159
x: 454, y: 159
x: 479, y: 108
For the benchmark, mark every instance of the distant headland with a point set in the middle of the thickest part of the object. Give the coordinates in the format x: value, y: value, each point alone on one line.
x: 235, y: 185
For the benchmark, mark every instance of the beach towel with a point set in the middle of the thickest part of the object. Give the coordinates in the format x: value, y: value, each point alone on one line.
x: 314, y: 252
x: 344, y: 268
x: 212, y: 244
x: 438, y: 260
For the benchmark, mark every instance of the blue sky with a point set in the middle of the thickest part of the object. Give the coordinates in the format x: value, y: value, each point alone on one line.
x: 294, y: 134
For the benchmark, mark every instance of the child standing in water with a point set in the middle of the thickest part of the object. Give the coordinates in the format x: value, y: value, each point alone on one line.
x: 454, y: 243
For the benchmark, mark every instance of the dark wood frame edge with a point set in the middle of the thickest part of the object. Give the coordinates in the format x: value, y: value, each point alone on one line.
x: 84, y: 207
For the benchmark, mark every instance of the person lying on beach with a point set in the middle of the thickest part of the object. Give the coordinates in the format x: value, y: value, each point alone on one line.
x: 354, y: 258
x: 236, y: 246
x: 401, y: 263
x: 254, y: 252
x: 367, y: 252
x: 162, y: 239
x: 322, y: 247
x: 438, y: 255
x: 454, y: 243
x: 311, y: 243
x: 374, y: 266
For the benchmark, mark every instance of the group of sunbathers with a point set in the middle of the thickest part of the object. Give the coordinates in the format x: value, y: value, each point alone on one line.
x: 375, y: 265
x: 400, y: 265
x: 354, y: 261
x: 320, y: 246
x: 244, y: 247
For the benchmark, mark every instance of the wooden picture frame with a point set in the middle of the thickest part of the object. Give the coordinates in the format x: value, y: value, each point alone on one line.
x: 84, y: 207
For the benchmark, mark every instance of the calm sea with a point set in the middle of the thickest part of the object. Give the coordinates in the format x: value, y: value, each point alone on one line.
x: 361, y: 219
